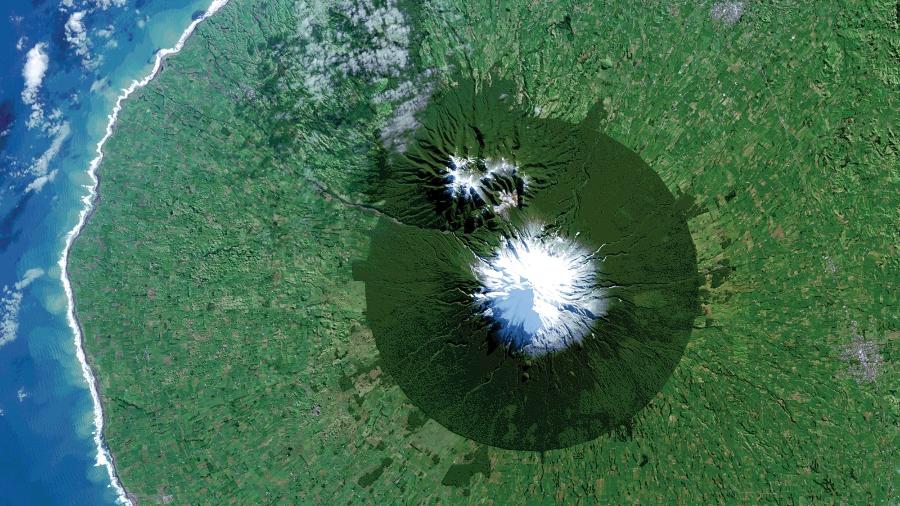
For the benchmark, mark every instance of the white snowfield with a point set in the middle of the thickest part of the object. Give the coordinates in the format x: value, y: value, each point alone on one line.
x: 467, y: 179
x: 542, y: 289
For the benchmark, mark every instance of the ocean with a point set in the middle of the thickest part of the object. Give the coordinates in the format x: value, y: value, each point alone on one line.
x: 64, y: 63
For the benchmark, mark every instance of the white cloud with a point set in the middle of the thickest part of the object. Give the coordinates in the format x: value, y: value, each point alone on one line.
x: 106, y: 4
x: 105, y: 32
x: 99, y: 84
x: 11, y: 303
x: 36, y: 63
x: 92, y: 4
x: 39, y: 182
x: 378, y: 47
x: 75, y: 33
x: 9, y: 315
x: 42, y: 164
x: 29, y: 277
x: 35, y: 66
x: 76, y: 36
x: 408, y: 98
x: 54, y: 117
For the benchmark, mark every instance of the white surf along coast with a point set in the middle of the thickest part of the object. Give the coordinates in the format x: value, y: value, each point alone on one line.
x: 541, y: 288
x: 103, y: 456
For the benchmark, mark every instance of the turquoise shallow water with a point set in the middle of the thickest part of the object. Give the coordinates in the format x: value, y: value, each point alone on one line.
x: 47, y: 452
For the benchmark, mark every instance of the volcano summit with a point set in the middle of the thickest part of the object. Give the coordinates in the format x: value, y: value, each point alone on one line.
x: 486, y: 292
x: 542, y: 290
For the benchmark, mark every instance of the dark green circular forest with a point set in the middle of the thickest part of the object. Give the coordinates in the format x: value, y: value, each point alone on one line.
x: 433, y: 337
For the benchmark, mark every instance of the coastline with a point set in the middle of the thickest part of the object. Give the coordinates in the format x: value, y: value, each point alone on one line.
x: 104, y: 456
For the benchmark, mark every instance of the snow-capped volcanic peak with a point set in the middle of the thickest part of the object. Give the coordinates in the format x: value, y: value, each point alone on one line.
x: 468, y: 177
x: 541, y: 288
x: 465, y: 177
x: 499, y: 167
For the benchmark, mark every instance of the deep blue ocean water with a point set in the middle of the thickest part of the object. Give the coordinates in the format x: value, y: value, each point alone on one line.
x: 49, y: 126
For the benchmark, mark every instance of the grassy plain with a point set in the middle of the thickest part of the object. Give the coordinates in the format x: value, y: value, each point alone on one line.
x: 221, y: 317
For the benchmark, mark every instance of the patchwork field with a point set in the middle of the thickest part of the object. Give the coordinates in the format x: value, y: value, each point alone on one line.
x: 215, y: 280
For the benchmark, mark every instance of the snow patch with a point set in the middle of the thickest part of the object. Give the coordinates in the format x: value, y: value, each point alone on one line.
x: 541, y: 288
x: 468, y: 178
